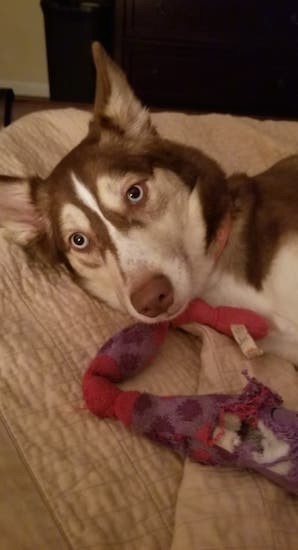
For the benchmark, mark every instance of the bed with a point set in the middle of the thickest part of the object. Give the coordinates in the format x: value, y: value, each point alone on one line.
x: 72, y: 481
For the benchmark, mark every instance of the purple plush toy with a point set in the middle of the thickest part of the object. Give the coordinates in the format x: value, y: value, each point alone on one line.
x: 251, y: 430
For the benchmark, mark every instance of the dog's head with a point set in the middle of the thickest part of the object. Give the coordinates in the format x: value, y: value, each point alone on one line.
x: 133, y: 215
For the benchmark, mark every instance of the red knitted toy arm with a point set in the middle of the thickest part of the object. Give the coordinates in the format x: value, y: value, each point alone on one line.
x: 121, y: 357
x: 221, y: 318
x: 102, y: 397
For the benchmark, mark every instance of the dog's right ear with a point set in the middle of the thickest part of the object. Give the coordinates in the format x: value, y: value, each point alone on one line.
x: 116, y: 106
x: 18, y: 213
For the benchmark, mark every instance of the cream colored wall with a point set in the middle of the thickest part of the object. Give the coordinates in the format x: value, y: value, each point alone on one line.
x: 23, y: 63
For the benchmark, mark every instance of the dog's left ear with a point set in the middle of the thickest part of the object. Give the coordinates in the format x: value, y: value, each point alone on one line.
x: 116, y: 106
x: 18, y: 212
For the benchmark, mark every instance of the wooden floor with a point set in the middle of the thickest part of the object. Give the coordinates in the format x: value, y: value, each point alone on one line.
x: 24, y: 105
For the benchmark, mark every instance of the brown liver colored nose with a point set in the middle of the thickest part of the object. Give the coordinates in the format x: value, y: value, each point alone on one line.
x: 154, y: 297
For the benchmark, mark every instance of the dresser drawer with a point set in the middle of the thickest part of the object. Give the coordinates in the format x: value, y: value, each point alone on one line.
x: 205, y: 77
x: 212, y: 19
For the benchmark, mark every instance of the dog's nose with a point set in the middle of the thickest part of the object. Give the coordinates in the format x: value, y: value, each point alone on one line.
x: 154, y: 297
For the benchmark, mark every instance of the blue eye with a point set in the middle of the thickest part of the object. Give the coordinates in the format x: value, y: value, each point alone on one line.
x: 135, y: 193
x: 79, y: 241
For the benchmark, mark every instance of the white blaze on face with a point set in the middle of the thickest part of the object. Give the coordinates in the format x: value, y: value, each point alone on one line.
x: 85, y: 195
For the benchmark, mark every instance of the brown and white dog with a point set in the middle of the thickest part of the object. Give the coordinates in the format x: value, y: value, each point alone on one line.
x: 147, y: 224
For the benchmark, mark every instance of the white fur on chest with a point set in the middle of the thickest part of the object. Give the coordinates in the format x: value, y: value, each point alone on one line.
x: 277, y: 301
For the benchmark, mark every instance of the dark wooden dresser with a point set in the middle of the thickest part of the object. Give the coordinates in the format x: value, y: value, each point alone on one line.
x: 219, y: 55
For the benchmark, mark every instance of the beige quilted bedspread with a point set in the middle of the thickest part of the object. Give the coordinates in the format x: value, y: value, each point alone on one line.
x: 71, y: 481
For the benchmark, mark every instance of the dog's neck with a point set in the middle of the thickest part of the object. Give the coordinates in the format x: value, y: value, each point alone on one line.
x: 222, y: 236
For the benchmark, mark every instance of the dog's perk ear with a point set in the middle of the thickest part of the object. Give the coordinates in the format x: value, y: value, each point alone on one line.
x: 115, y: 103
x: 18, y: 214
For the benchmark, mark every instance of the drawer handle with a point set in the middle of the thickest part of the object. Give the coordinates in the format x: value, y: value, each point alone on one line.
x: 161, y: 7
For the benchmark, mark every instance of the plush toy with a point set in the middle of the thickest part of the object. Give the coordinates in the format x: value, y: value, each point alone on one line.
x: 250, y: 430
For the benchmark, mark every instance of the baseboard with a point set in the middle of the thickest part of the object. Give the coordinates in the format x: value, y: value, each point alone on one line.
x: 30, y: 89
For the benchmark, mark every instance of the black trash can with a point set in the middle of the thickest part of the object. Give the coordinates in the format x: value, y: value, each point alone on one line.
x: 70, y: 28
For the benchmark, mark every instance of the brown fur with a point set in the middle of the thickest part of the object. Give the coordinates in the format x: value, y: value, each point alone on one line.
x: 267, y: 206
